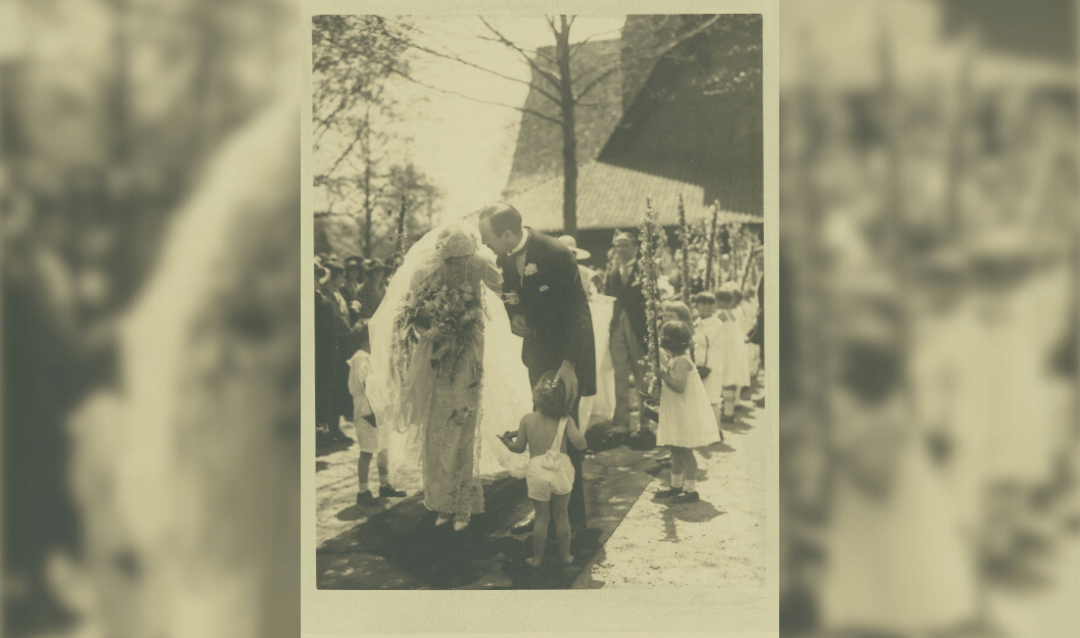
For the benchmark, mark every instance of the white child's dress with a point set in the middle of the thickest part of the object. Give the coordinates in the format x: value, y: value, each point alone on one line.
x: 686, y: 418
x: 732, y: 342
x: 707, y: 338
x: 746, y: 318
x: 897, y: 564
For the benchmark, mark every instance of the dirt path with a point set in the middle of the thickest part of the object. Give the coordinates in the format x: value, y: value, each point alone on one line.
x: 717, y: 542
x: 395, y: 545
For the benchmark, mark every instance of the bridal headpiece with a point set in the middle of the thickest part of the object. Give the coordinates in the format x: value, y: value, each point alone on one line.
x: 458, y: 240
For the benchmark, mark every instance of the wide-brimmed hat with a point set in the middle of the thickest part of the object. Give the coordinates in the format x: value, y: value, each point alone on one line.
x: 333, y: 262
x: 571, y: 243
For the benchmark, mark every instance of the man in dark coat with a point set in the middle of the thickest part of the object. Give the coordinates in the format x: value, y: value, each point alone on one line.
x: 326, y: 361
x: 629, y: 329
x: 549, y: 309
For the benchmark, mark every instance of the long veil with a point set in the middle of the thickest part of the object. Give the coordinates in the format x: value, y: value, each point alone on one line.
x: 506, y: 394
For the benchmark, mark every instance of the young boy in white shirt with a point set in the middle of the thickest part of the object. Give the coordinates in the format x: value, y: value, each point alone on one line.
x: 367, y: 432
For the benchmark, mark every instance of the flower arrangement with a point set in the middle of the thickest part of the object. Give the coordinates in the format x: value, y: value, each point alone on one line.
x: 402, y: 239
x: 651, y: 236
x: 709, y: 282
x: 685, y: 238
x: 449, y: 316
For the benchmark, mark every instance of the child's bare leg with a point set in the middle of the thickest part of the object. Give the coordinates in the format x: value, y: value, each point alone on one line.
x: 689, y: 463
x: 677, y: 466
x: 363, y: 468
x: 382, y: 461
x: 540, y: 532
x: 562, y: 526
x: 730, y: 395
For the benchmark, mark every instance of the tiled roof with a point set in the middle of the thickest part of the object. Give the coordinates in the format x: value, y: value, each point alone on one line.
x: 538, y: 154
x: 614, y: 197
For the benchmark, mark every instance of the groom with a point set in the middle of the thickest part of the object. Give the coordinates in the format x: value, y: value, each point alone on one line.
x: 549, y: 309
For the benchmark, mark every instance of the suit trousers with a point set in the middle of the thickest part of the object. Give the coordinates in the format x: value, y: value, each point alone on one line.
x: 576, y: 507
x: 626, y: 354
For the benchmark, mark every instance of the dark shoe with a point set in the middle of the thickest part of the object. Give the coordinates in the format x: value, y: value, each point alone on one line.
x: 685, y: 497
x: 365, y: 499
x: 668, y: 493
x: 388, y: 491
x: 523, y: 528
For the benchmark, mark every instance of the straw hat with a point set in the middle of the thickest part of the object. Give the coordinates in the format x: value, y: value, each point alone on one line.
x: 571, y: 243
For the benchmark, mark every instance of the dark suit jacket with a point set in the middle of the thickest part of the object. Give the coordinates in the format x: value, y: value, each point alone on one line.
x: 628, y: 298
x: 555, y: 307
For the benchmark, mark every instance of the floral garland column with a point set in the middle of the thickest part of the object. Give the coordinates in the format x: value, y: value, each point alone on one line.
x: 651, y: 235
x: 402, y: 238
x: 685, y: 238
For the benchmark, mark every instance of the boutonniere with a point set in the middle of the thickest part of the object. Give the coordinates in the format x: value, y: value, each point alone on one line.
x: 530, y: 270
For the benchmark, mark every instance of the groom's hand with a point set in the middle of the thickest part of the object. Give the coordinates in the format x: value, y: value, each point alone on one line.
x: 569, y: 378
x: 519, y: 326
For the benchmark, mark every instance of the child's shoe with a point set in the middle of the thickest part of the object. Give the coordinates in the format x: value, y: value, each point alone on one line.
x: 388, y: 491
x: 685, y: 497
x: 671, y: 491
x: 365, y: 499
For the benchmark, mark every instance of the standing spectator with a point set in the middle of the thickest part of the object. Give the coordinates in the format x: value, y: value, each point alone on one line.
x: 345, y: 338
x: 350, y: 290
x: 628, y: 324
x: 373, y: 289
x: 326, y: 358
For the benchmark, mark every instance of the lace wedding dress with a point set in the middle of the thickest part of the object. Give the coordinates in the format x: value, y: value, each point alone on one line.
x: 447, y: 372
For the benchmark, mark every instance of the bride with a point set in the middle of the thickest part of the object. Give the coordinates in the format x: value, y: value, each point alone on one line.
x: 444, y: 370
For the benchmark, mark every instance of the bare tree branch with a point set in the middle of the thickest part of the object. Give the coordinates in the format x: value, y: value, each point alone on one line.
x: 356, y: 139
x: 603, y: 76
x: 551, y: 23
x: 460, y: 60
x: 550, y: 77
x: 469, y: 97
x: 577, y: 46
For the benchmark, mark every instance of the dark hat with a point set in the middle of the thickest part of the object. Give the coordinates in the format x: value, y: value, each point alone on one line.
x: 333, y: 263
x: 621, y: 237
x: 354, y: 262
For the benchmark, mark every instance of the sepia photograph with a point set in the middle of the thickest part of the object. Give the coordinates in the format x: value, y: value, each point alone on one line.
x: 539, y: 303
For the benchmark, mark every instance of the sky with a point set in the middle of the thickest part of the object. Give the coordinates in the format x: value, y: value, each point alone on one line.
x: 464, y: 146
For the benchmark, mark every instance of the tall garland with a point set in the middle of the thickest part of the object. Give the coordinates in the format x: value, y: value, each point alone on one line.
x: 651, y: 235
x: 402, y: 238
x: 685, y: 239
x: 710, y: 283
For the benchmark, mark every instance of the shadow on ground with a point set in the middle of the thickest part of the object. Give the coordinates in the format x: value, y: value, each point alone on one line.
x: 396, y: 545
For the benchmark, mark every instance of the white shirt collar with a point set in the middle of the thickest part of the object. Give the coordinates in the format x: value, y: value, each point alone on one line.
x: 521, y: 244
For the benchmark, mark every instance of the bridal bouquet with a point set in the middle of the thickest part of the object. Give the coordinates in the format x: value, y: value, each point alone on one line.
x: 448, y: 316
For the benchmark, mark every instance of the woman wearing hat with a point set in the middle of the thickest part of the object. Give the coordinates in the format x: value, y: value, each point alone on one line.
x: 588, y: 275
x: 371, y: 292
